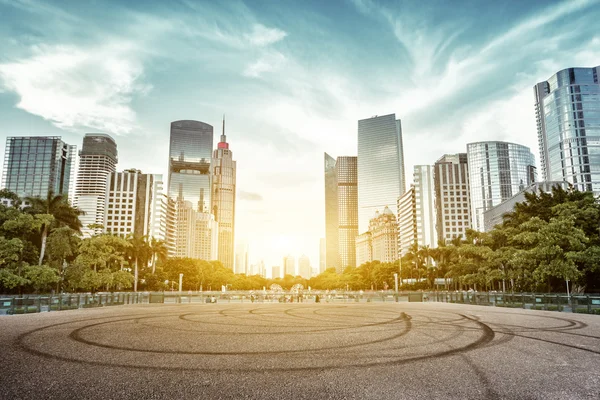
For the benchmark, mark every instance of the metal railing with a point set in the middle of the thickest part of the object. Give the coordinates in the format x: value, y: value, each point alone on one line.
x: 587, y: 303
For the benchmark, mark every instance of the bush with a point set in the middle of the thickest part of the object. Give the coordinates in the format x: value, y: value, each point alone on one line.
x: 584, y: 310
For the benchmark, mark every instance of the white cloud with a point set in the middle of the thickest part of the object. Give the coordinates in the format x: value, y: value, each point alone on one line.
x: 267, y: 63
x: 263, y: 36
x: 77, y: 88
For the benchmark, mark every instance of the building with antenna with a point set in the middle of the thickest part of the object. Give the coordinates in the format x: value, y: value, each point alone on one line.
x: 223, y: 198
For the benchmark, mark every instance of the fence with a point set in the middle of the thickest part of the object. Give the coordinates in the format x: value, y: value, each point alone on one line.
x: 589, y: 304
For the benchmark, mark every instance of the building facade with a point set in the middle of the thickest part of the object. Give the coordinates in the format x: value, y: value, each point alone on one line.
x: 380, y: 242
x: 497, y: 171
x: 241, y: 258
x: 36, y: 165
x: 97, y: 160
x: 452, y: 196
x: 407, y: 221
x: 190, y: 156
x: 495, y: 215
x: 135, y: 205
x: 289, y: 265
x: 423, y: 178
x: 304, y: 267
x: 341, y: 211
x: 380, y: 166
x: 567, y: 108
x: 223, y: 198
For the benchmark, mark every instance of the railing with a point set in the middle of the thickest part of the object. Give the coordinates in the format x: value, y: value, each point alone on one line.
x: 588, y: 303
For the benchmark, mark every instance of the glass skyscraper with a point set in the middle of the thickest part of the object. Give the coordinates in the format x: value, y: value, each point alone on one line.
x: 190, y: 155
x: 341, y: 211
x: 35, y: 165
x: 497, y: 171
x: 380, y: 166
x: 568, y: 123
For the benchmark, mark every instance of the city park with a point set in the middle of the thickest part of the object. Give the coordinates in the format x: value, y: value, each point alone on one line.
x: 550, y: 243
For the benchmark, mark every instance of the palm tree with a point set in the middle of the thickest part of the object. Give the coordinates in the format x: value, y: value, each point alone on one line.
x: 139, y: 250
x: 63, y: 214
x: 159, y: 250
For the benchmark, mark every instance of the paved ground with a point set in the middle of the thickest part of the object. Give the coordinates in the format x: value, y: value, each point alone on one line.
x: 296, y: 351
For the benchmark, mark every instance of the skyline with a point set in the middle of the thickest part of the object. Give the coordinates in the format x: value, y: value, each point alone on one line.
x: 284, y: 99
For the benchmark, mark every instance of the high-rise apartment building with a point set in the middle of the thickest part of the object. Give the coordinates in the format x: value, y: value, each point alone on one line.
x: 567, y: 108
x: 423, y: 183
x: 497, y: 171
x: 341, y: 211
x: 452, y: 196
x: 135, y: 205
x: 223, y: 198
x: 276, y: 272
x: 380, y: 242
x: 97, y: 159
x: 36, y: 165
x: 407, y: 221
x: 289, y: 265
x: 304, y: 267
x: 380, y: 166
x: 190, y: 155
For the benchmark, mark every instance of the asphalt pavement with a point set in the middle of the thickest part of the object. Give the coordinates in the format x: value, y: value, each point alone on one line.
x: 300, y: 351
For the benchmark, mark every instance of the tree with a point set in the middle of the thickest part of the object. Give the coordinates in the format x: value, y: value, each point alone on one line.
x: 59, y: 213
x: 159, y: 251
x: 139, y: 250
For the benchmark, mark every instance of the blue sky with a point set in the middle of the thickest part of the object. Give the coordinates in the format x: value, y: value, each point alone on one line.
x: 292, y: 78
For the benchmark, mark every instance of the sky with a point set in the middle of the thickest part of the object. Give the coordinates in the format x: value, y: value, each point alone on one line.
x: 293, y: 78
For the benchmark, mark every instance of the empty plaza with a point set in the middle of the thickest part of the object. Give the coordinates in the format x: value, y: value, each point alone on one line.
x: 268, y: 351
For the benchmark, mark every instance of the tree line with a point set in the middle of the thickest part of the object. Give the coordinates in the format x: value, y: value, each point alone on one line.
x: 549, y: 239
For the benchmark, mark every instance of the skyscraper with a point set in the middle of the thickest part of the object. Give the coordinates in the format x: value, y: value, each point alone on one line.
x: 304, y: 267
x: 190, y: 154
x: 567, y: 108
x: 332, y: 250
x: 289, y: 265
x: 223, y: 198
x: 380, y: 166
x: 241, y: 258
x: 97, y: 159
x: 35, y: 165
x: 452, y: 196
x: 425, y: 205
x: 341, y: 211
x: 407, y: 221
x: 497, y: 171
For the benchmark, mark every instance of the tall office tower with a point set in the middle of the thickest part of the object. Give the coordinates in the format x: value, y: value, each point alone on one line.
x: 497, y: 171
x: 241, y: 258
x: 380, y: 242
x: 36, y: 165
x: 567, y: 108
x: 452, y: 196
x: 407, y: 221
x: 304, y: 267
x: 380, y: 166
x: 341, y: 211
x: 322, y: 255
x: 223, y: 198
x: 97, y: 159
x: 135, y: 205
x: 289, y: 265
x: 332, y: 250
x: 190, y: 153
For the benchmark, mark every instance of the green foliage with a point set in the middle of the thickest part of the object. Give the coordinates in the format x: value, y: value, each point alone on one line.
x: 41, y: 277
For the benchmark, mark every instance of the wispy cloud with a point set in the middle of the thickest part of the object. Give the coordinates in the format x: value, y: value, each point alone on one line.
x: 263, y: 36
x: 249, y: 196
x: 267, y: 63
x: 77, y: 88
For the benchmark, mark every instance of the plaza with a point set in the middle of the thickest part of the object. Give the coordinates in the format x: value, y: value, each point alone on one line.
x: 326, y: 350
